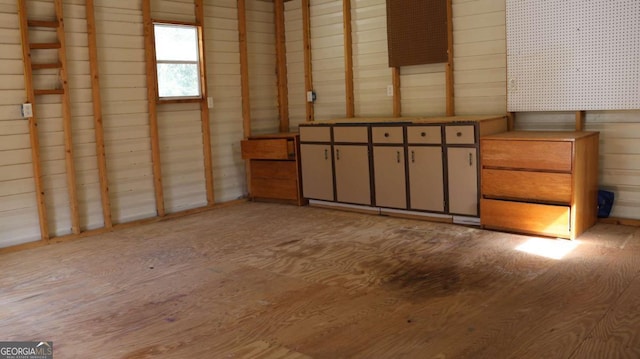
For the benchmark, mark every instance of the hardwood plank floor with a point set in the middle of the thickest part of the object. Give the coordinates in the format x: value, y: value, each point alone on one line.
x: 260, y: 280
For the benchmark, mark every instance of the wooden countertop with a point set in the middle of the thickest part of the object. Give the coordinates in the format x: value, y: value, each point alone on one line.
x: 408, y: 120
x: 541, y: 135
x: 287, y: 135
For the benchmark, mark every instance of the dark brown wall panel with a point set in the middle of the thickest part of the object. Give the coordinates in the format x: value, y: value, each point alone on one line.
x: 416, y: 32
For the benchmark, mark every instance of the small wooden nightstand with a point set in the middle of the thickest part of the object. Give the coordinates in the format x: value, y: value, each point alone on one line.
x: 274, y: 167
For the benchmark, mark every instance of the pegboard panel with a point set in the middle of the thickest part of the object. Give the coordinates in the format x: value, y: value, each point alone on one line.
x: 573, y: 55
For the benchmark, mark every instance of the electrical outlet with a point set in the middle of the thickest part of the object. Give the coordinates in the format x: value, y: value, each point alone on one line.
x: 513, y: 86
x: 389, y: 90
x: 210, y: 102
x: 27, y: 110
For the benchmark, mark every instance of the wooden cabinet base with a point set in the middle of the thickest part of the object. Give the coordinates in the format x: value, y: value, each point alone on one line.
x: 540, y: 182
x: 274, y: 170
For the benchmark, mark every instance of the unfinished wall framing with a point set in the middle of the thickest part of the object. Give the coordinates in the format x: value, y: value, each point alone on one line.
x: 110, y: 129
x: 108, y: 91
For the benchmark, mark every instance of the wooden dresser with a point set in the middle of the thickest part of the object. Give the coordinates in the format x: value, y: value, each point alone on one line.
x: 539, y: 182
x: 274, y: 167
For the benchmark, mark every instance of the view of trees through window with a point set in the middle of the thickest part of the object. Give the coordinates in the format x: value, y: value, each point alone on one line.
x: 177, y: 60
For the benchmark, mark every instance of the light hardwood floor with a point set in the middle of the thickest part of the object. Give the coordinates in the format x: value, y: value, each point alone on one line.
x: 263, y: 280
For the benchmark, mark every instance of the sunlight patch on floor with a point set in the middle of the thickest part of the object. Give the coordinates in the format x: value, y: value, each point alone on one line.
x: 549, y: 248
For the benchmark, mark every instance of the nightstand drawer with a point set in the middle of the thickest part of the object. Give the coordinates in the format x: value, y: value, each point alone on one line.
x: 532, y: 155
x: 526, y: 185
x: 533, y: 218
x: 387, y: 135
x: 460, y: 135
x: 418, y: 135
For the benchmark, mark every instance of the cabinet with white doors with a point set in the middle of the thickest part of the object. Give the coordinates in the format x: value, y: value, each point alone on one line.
x: 413, y: 166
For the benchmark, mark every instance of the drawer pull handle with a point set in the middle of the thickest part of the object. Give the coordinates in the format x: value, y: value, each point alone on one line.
x: 386, y: 134
x: 413, y: 156
x: 423, y: 134
x: 326, y: 154
x: 459, y: 134
x: 338, y: 155
x: 470, y: 159
x: 398, y: 156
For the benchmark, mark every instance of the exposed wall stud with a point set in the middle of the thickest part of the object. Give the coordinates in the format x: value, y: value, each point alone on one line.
x: 204, y: 105
x: 306, y: 41
x: 33, y: 122
x: 451, y: 109
x: 397, y: 100
x: 580, y: 119
x: 152, y: 97
x: 348, y: 57
x: 97, y: 114
x: 281, y: 66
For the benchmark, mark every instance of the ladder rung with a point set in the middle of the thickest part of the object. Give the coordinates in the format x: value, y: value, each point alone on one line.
x: 55, y: 65
x: 41, y: 23
x: 49, y: 92
x: 51, y: 45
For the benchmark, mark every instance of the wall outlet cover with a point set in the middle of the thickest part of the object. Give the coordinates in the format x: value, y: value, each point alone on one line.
x: 26, y: 110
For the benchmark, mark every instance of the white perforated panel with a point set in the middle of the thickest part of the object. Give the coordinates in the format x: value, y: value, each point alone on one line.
x: 573, y: 55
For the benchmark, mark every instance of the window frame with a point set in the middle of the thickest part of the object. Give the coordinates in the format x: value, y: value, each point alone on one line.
x: 199, y: 63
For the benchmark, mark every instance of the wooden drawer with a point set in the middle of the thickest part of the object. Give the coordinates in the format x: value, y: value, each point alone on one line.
x: 460, y: 135
x: 532, y: 155
x: 273, y: 169
x: 315, y: 134
x: 526, y: 185
x: 274, y: 179
x: 417, y: 135
x: 267, y: 149
x: 351, y: 134
x: 532, y: 218
x: 274, y: 188
x: 387, y: 135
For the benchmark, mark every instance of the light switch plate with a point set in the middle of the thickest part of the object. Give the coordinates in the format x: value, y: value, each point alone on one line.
x: 389, y: 90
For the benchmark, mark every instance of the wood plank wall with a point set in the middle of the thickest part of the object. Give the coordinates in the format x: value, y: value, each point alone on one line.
x: 327, y: 58
x: 295, y: 63
x: 121, y: 59
x: 480, y: 71
x: 261, y: 48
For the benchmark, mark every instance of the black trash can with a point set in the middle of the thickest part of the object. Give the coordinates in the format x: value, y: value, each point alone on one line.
x: 605, y: 202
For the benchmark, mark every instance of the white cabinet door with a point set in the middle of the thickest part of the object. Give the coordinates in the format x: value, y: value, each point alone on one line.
x: 463, y: 181
x: 426, y: 178
x: 389, y: 176
x: 352, y: 174
x: 317, y: 171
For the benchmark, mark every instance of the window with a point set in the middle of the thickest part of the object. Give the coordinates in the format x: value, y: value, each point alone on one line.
x: 177, y: 61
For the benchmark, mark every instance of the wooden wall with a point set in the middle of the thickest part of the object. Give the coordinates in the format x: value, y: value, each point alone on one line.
x: 120, y: 40
x: 261, y: 48
x: 479, y: 82
x: 295, y: 63
x: 479, y: 50
x: 479, y: 79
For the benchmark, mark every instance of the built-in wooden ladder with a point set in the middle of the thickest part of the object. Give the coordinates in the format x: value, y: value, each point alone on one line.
x: 32, y: 73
